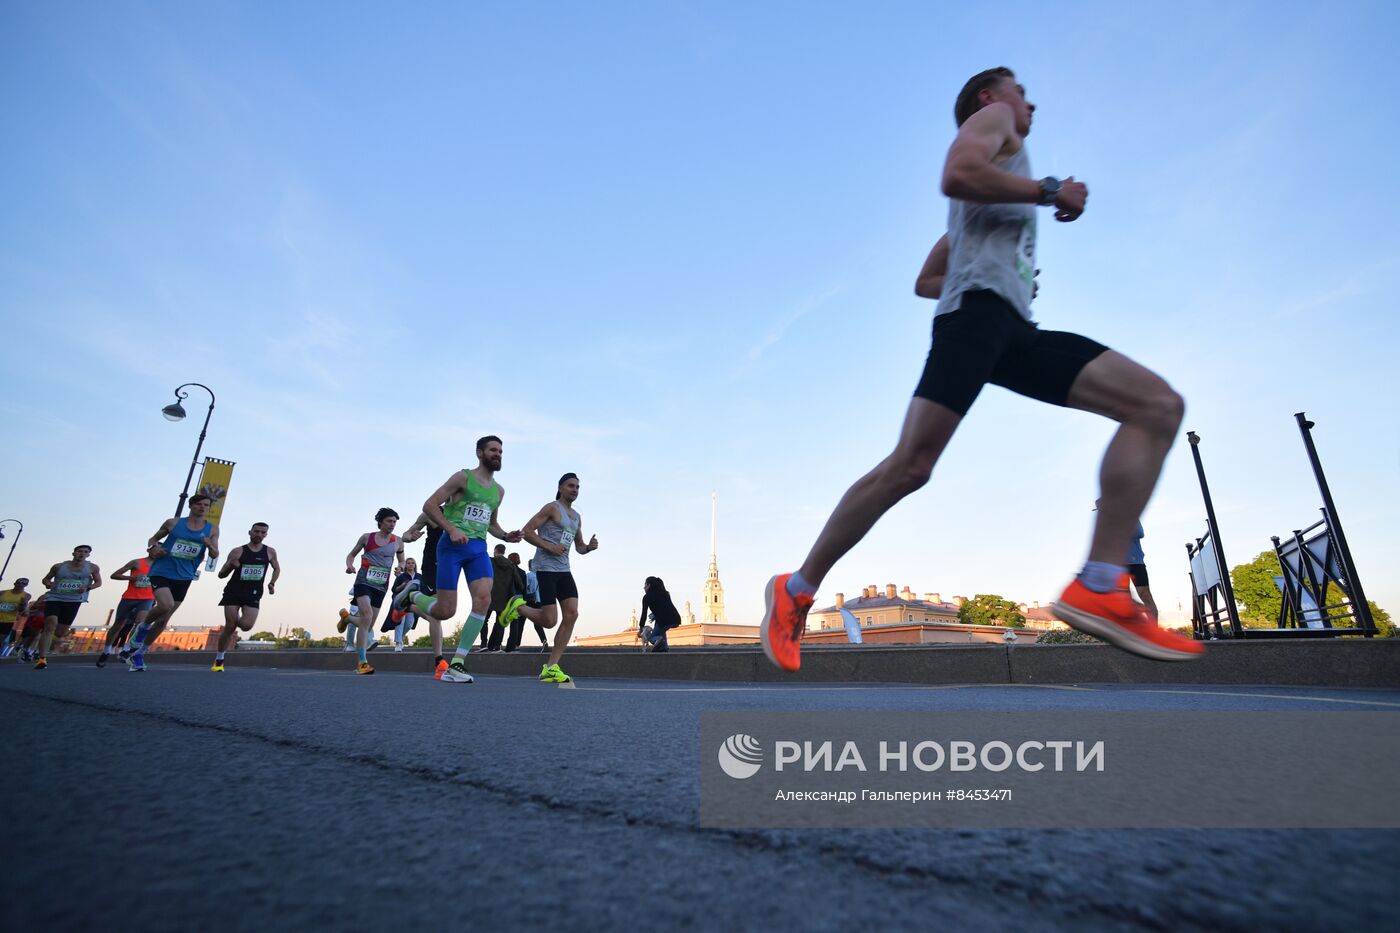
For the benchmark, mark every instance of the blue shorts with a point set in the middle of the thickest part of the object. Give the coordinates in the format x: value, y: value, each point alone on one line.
x: 452, y: 558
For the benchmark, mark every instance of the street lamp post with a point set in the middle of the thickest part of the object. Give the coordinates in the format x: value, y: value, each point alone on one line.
x: 12, y: 543
x: 176, y: 412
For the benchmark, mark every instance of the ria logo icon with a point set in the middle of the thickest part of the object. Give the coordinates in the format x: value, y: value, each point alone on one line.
x: 741, y: 756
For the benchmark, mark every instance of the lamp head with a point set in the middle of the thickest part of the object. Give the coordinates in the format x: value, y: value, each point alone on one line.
x: 173, y: 412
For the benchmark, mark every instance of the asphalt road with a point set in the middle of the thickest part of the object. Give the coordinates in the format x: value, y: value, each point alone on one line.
x: 268, y: 800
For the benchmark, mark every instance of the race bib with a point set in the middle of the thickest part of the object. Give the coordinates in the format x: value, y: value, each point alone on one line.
x: 477, y: 513
x: 377, y: 576
x: 68, y: 586
x: 185, y: 550
x: 141, y: 583
x: 8, y: 607
x: 1025, y: 251
x: 566, y: 538
x: 252, y: 572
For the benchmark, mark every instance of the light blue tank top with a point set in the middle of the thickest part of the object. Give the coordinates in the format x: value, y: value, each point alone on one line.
x: 992, y: 247
x: 184, y: 550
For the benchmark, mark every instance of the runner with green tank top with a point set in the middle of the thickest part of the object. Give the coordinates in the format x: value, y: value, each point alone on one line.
x: 466, y: 508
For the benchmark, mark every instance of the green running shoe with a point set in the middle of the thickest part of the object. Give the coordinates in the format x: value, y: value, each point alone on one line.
x: 511, y: 612
x: 553, y: 674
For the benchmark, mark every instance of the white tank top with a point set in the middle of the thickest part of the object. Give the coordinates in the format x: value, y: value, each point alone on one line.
x: 992, y: 247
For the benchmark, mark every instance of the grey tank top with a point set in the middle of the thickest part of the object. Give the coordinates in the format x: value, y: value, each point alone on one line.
x: 376, y: 561
x: 992, y: 247
x: 68, y: 584
x: 560, y: 531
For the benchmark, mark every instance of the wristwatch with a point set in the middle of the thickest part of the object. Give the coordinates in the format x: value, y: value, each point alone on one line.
x: 1049, y: 190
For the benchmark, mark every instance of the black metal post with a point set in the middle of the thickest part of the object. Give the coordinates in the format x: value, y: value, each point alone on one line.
x: 12, y: 545
x: 1236, y: 630
x: 1358, y: 595
x: 189, y: 477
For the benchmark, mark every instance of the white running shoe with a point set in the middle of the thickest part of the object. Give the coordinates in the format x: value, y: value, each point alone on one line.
x: 398, y: 649
x: 456, y: 675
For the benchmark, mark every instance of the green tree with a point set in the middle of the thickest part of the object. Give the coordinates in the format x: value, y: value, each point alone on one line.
x: 423, y: 641
x: 262, y: 636
x: 1382, y: 620
x: 990, y: 609
x: 1259, y: 597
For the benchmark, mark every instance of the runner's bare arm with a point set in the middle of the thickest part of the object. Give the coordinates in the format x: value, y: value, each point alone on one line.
x: 211, y: 541
x: 579, y: 546
x: 350, y: 558
x: 399, y: 557
x: 276, y: 570
x: 95, y: 572
x: 496, y: 529
x: 231, y: 564
x: 929, y: 284
x: 531, y: 530
x: 160, y: 534
x: 415, y: 531
x: 49, y: 577
x: 124, y: 571
x: 971, y: 173
x: 432, y: 507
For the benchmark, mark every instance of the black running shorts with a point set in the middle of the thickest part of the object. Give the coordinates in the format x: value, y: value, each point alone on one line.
x: 178, y: 588
x: 375, y: 594
x: 986, y: 340
x: 556, y: 586
x: 65, y: 612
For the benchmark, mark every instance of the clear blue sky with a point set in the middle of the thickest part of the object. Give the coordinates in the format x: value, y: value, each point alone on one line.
x: 671, y: 247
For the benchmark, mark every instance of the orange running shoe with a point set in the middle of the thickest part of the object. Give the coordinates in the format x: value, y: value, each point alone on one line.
x: 784, y: 620
x: 363, y: 668
x: 1119, y: 620
x: 441, y: 669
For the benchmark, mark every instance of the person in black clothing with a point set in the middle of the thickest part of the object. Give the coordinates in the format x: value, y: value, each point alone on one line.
x: 508, y: 582
x: 402, y: 621
x: 658, y: 602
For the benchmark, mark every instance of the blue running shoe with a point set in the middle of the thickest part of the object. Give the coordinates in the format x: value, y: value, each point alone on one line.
x: 136, y: 663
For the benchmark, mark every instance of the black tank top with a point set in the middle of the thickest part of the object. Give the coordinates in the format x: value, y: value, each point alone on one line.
x: 248, y: 579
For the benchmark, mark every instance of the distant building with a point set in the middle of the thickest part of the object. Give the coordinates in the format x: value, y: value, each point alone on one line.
x: 1040, y: 618
x: 175, y: 637
x: 885, y: 607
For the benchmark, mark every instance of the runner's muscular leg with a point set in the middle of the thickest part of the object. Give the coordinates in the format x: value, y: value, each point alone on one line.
x: 1149, y: 413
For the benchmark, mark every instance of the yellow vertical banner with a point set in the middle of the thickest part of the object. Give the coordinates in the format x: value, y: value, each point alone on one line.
x: 213, y: 482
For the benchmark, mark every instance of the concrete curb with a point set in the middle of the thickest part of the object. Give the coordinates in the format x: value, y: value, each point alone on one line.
x: 1340, y: 663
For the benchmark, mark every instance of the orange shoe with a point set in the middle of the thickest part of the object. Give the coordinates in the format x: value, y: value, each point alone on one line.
x: 440, y: 669
x: 1119, y: 620
x: 344, y: 621
x: 363, y: 668
x: 784, y: 620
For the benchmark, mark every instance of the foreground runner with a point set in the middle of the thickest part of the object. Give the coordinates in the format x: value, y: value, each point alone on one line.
x: 556, y: 527
x: 466, y: 508
x: 982, y: 333
x: 382, y: 552
x: 14, y: 604
x: 135, y: 604
x: 247, y: 564
x: 183, y: 544
x: 69, y: 584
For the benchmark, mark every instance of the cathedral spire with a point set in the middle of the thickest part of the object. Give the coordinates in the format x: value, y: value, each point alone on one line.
x: 714, y: 590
